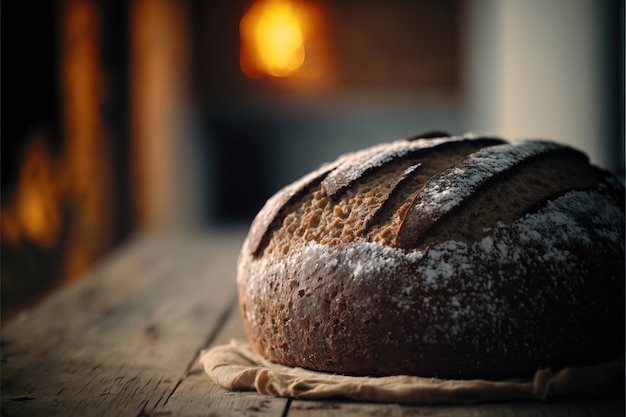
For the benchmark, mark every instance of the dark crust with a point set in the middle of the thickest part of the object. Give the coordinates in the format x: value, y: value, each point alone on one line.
x: 406, y: 175
x: 276, y: 203
x: 523, y: 297
x: 352, y: 169
x: 430, y: 134
x: 426, y: 210
x: 314, y: 312
x: 338, y: 175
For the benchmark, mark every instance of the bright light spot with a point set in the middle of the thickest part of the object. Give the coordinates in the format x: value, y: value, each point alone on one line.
x: 272, y: 32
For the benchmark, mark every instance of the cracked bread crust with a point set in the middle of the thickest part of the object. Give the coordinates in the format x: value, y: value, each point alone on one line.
x: 513, y: 260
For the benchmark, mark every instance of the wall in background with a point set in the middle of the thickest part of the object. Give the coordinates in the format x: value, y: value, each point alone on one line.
x: 551, y: 69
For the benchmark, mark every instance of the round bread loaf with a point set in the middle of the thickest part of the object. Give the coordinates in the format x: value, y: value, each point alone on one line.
x: 456, y: 257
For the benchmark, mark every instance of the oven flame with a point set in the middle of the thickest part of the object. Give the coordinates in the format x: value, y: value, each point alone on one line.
x: 272, y: 39
x: 33, y: 212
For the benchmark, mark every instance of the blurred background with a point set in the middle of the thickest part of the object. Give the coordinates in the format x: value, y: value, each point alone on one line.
x: 122, y: 117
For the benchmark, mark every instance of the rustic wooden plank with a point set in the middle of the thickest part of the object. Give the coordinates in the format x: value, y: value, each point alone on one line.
x: 120, y: 341
x: 197, y: 395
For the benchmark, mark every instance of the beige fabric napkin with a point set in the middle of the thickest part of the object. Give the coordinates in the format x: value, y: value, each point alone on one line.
x: 237, y: 367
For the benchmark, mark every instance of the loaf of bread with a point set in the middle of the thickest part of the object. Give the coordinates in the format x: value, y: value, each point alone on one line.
x: 455, y: 257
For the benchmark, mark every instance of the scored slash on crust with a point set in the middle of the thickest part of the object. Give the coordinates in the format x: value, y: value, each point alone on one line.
x: 337, y: 176
x: 450, y: 189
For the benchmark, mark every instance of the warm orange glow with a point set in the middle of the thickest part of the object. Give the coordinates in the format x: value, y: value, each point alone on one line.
x: 85, y: 159
x: 58, y: 216
x: 273, y: 30
x: 274, y: 38
x: 33, y: 213
x: 159, y: 96
x: 77, y: 180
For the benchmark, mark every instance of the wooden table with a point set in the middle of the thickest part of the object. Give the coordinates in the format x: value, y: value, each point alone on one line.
x: 124, y: 341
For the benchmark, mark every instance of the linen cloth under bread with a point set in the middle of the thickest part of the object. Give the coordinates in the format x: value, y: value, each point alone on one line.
x: 237, y: 367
